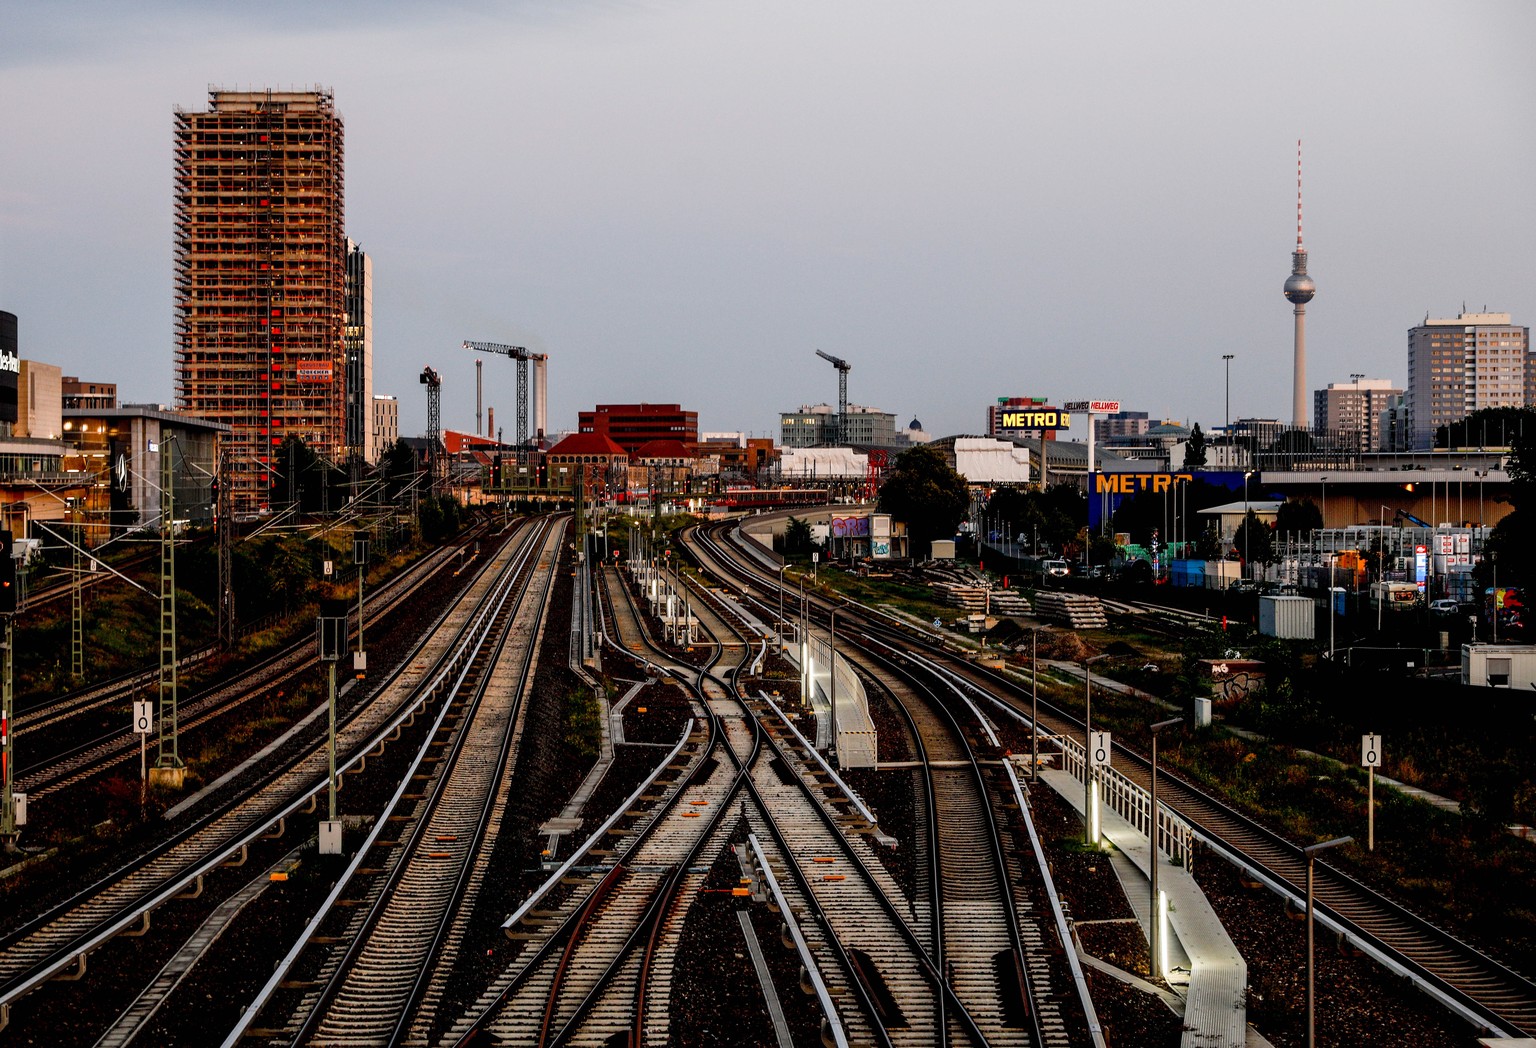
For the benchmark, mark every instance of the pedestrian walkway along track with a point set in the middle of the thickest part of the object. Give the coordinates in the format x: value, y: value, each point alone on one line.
x: 360, y: 968
x: 1470, y: 982
x: 81, y: 761
x: 60, y: 938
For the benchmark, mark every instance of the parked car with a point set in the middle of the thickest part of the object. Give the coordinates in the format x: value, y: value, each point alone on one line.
x: 1444, y: 606
x: 1243, y: 586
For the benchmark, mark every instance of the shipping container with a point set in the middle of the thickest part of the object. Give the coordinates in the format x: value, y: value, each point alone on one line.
x: 1288, y: 618
x: 1499, y: 665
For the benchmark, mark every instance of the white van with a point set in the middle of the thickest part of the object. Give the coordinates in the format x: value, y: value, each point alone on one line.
x: 1058, y: 568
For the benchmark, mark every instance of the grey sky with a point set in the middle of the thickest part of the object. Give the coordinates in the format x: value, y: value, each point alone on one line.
x: 681, y: 201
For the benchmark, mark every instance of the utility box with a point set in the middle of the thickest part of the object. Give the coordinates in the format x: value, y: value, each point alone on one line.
x: 943, y: 549
x: 1288, y: 618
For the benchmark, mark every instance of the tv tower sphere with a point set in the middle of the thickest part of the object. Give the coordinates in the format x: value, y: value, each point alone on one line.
x: 1299, y: 287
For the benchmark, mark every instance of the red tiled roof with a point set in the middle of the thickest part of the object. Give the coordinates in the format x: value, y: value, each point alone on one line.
x: 663, y: 449
x: 587, y: 444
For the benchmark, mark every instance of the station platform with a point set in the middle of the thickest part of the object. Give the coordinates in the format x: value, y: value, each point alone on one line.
x: 1205, y: 968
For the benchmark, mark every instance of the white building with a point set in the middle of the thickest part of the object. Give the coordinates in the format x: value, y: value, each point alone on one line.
x: 386, y: 425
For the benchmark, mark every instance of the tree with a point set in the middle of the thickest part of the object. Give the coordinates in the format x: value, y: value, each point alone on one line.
x: 1254, y: 540
x: 399, y: 465
x: 797, y: 536
x: 1487, y: 428
x: 927, y: 494
x: 1298, y: 517
x: 1510, y: 541
x: 1194, y: 451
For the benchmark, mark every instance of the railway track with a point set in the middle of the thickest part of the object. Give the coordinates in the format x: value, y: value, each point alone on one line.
x: 1471, y: 983
x: 370, y: 966
x: 75, y: 761
x: 58, y: 940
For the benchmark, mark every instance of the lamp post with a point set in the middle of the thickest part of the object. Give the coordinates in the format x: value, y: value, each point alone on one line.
x: 1311, y: 854
x: 1089, y: 836
x: 1158, y: 936
x: 1360, y: 426
x: 1246, y: 474
x: 1034, y: 704
x: 778, y: 623
x: 1226, y: 429
x: 832, y: 683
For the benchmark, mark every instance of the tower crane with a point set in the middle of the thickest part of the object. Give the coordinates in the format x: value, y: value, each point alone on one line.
x: 434, y: 383
x: 523, y: 357
x: 843, y: 367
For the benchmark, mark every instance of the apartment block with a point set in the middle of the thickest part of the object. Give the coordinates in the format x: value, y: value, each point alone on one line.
x: 1354, y: 408
x: 1463, y: 364
x: 385, y: 427
x: 261, y: 282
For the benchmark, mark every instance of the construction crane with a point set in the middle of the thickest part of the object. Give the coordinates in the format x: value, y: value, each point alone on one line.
x: 523, y: 357
x: 843, y: 367
x: 437, y: 461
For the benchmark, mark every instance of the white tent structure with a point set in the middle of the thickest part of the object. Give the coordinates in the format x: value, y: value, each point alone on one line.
x: 984, y: 460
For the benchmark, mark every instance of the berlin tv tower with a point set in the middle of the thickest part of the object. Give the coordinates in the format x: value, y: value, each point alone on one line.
x: 1299, y: 289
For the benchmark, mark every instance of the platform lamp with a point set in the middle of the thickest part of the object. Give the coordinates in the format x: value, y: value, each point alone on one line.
x: 1090, y: 809
x: 1311, y: 853
x: 360, y: 558
x: 331, y: 642
x: 1159, y: 922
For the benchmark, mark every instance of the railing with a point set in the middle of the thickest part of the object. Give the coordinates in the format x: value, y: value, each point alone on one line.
x: 1132, y: 803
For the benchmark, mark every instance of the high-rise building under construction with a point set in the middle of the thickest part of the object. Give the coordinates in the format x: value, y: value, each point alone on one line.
x: 261, y: 277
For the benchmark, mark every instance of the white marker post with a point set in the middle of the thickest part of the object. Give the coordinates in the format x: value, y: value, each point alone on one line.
x: 1099, y: 755
x: 1370, y: 759
x: 143, y: 724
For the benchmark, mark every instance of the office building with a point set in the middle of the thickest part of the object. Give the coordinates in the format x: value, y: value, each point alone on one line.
x: 39, y: 401
x: 1353, y: 410
x: 815, y: 424
x: 631, y: 425
x: 1463, y: 364
x: 261, y: 262
x: 357, y: 336
x: 88, y: 396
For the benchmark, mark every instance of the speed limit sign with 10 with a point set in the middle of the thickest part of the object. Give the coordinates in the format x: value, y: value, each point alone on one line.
x: 1099, y: 752
x: 1370, y: 751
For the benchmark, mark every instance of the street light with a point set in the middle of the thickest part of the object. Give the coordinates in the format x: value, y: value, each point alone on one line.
x: 1246, y: 474
x: 1090, y: 836
x: 1158, y: 937
x: 1034, y: 704
x: 1227, y: 428
x: 778, y: 623
x: 1311, y: 854
x: 832, y: 683
x: 1360, y: 426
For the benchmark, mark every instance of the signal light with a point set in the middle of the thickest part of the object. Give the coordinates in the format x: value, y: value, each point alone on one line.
x: 7, y: 576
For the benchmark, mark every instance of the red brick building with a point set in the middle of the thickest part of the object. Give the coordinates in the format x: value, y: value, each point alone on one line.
x: 632, y: 425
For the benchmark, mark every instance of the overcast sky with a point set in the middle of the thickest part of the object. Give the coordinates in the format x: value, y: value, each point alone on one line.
x: 683, y: 201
